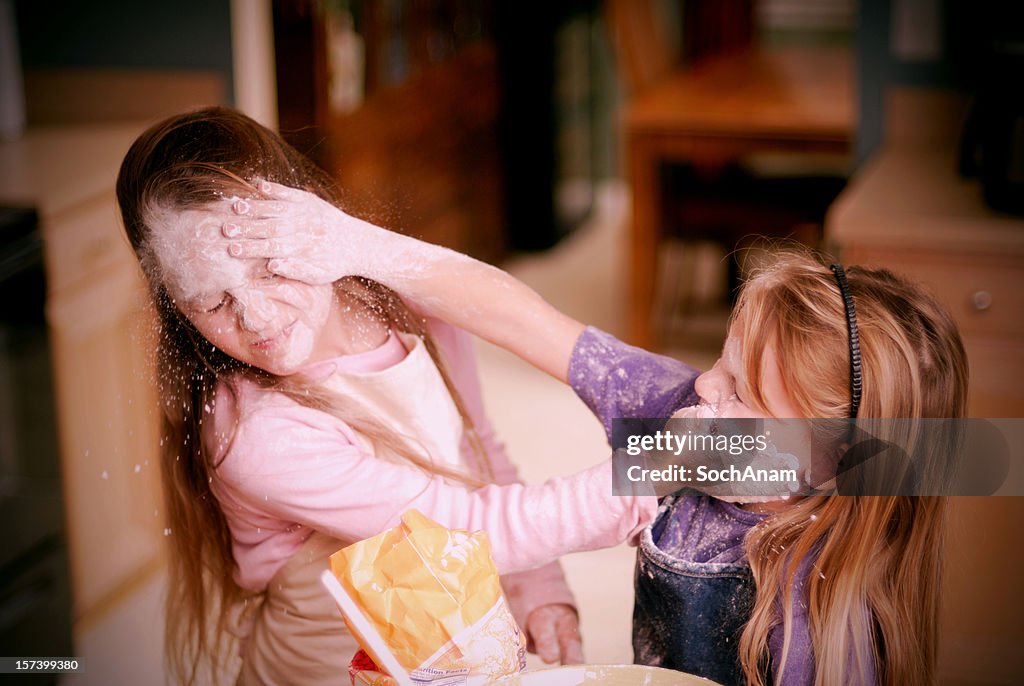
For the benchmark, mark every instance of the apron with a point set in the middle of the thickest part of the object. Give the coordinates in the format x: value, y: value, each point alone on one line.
x: 689, y: 615
x: 296, y: 635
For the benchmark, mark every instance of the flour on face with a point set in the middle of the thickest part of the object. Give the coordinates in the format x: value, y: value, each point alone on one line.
x: 271, y: 322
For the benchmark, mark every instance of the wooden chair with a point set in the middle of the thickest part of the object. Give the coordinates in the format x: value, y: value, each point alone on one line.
x: 767, y: 196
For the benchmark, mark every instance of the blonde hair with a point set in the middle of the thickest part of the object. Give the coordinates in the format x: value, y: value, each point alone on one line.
x: 873, y: 591
x: 186, y: 161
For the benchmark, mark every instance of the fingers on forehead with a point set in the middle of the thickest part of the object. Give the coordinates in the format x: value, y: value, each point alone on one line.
x: 261, y: 209
x: 259, y: 229
x: 262, y: 249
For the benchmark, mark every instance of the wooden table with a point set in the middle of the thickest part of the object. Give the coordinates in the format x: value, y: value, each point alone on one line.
x: 758, y: 100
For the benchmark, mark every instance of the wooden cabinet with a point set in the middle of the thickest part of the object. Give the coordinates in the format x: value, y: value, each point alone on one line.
x: 101, y: 337
x: 908, y: 210
x: 413, y: 144
x: 422, y: 158
x: 107, y: 409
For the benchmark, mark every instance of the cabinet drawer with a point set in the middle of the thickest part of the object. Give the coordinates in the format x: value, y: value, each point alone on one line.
x: 997, y: 377
x: 983, y: 298
x: 84, y: 241
x: 985, y: 294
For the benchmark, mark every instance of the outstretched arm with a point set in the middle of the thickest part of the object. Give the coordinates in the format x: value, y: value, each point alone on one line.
x: 307, y: 239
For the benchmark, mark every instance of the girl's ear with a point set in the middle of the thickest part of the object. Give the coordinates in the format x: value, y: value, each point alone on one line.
x: 823, y: 471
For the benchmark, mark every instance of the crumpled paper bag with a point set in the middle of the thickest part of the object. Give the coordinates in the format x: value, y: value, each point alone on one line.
x: 434, y: 596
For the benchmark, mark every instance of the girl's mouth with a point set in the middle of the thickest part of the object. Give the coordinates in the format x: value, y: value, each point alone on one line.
x: 276, y: 339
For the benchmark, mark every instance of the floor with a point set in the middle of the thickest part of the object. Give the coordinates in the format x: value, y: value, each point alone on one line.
x: 547, y: 431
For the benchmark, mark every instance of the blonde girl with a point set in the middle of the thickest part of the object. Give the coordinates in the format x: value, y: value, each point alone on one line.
x: 826, y: 589
x: 300, y: 416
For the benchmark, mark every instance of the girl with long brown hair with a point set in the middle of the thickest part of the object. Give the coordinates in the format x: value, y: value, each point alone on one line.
x: 301, y: 416
x: 822, y: 589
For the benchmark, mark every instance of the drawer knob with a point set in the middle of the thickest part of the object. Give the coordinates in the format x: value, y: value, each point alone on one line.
x: 981, y: 301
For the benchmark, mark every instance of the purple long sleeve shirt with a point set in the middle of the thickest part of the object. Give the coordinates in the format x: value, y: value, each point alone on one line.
x: 617, y: 380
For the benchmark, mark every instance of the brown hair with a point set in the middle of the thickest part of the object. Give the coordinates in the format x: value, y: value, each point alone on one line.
x: 188, y: 161
x: 873, y: 594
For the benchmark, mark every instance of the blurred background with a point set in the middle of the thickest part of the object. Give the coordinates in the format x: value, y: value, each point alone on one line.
x: 630, y: 159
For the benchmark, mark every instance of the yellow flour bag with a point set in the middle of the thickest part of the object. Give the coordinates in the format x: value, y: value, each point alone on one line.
x: 434, y: 596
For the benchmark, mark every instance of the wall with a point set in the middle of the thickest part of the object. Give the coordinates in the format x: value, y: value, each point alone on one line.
x: 943, y: 46
x: 60, y: 40
x: 184, y: 34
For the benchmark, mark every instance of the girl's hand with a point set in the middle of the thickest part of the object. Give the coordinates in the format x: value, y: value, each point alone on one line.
x: 553, y: 633
x: 302, y: 236
x: 307, y: 239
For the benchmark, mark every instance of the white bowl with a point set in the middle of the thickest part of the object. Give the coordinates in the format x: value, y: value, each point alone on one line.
x: 609, y: 675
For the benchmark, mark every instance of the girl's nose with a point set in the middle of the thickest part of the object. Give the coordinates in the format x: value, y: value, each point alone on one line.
x: 254, y: 310
x: 714, y: 385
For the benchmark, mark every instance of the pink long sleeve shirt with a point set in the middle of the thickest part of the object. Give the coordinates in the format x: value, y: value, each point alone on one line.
x: 286, y: 470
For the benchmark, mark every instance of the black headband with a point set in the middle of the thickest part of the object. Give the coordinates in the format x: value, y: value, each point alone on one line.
x: 851, y: 325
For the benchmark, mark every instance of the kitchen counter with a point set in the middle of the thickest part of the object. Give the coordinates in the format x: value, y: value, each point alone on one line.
x: 912, y: 197
x: 55, y: 168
